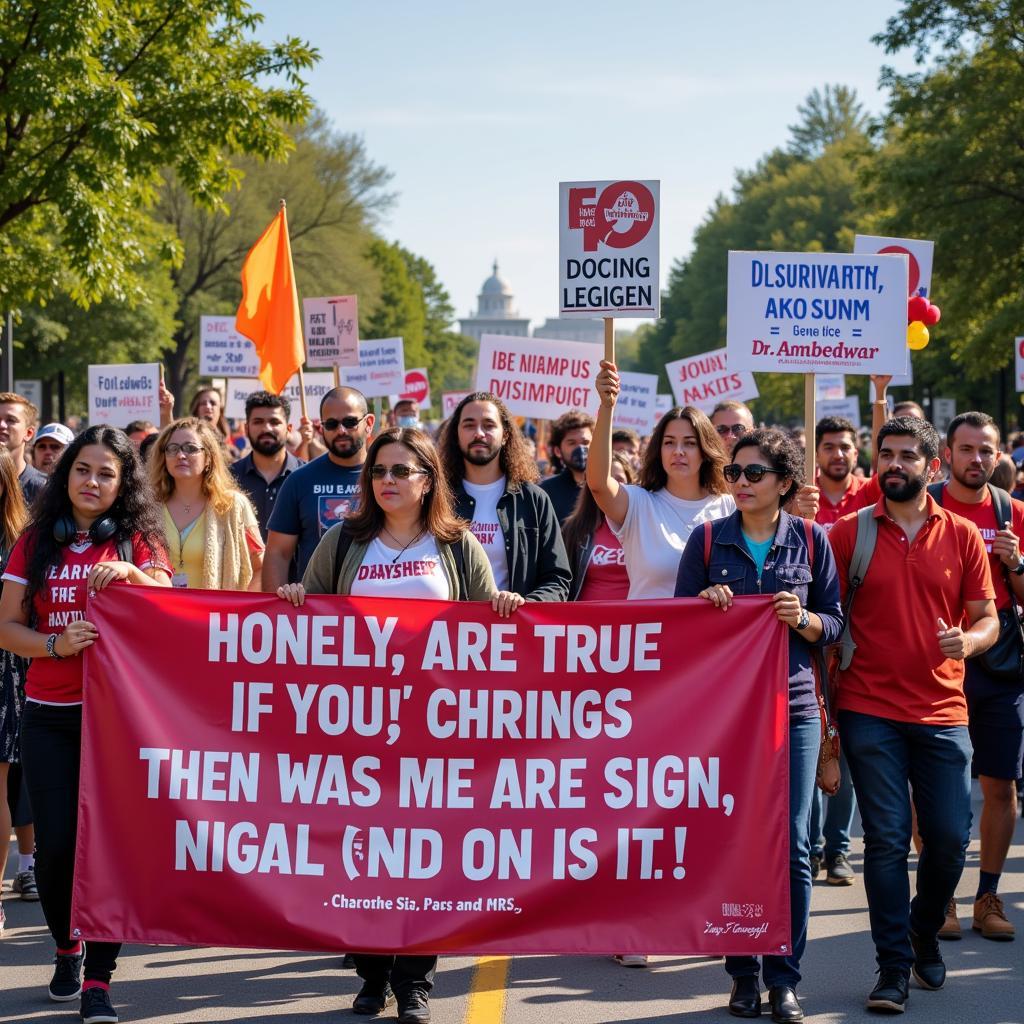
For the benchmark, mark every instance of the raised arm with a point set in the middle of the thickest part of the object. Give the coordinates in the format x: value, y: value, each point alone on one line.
x: 611, y: 497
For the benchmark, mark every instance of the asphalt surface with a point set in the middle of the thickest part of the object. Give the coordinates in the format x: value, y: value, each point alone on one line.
x: 168, y: 985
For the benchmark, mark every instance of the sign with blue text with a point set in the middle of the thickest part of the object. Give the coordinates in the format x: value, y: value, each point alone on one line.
x: 223, y: 352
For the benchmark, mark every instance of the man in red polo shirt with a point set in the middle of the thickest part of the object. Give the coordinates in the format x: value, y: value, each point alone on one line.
x: 902, y: 711
x: 835, y: 442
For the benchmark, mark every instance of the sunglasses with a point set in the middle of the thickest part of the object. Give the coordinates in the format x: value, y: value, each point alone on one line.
x: 348, y: 422
x: 400, y: 471
x: 188, y: 448
x: 737, y: 430
x: 754, y: 473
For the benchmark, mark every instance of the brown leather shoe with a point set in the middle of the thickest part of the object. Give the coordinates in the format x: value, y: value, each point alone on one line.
x: 990, y: 919
x: 951, y: 926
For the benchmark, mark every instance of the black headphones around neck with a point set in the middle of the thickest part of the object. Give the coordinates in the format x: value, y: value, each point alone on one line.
x: 65, y: 529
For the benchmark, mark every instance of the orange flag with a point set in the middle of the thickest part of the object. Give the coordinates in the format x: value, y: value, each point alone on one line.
x: 269, y: 311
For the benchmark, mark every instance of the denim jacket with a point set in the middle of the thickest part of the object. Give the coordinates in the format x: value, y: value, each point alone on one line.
x: 787, y: 567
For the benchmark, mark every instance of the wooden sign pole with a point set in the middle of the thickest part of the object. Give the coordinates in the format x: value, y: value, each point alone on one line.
x: 810, y: 420
x: 609, y: 339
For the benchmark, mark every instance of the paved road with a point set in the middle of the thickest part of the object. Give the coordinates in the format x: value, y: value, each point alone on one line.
x: 170, y: 985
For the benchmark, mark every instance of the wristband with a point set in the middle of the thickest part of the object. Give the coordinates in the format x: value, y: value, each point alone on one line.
x: 51, y: 647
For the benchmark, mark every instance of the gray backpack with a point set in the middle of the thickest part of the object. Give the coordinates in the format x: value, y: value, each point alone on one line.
x: 863, y: 549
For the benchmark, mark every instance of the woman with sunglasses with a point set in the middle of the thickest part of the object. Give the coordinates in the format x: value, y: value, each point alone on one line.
x: 681, y: 486
x: 761, y: 549
x: 404, y: 540
x: 95, y: 523
x: 212, y: 533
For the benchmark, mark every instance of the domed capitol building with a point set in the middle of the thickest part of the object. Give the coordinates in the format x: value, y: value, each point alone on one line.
x: 496, y: 314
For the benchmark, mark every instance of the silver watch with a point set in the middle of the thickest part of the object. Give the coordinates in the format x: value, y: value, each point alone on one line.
x: 805, y: 619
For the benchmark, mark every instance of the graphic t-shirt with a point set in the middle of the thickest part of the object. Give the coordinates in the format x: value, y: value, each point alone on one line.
x: 486, y: 528
x: 52, y: 681
x: 654, y: 533
x: 311, y: 501
x: 606, y: 578
x: 415, y: 572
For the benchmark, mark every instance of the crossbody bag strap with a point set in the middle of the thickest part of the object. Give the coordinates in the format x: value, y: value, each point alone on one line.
x: 340, y: 551
x: 863, y: 549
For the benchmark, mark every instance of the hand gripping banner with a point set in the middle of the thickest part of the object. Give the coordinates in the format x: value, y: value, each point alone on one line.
x: 421, y: 776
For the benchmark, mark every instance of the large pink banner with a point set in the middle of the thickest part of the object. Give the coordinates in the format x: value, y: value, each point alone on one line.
x: 425, y: 777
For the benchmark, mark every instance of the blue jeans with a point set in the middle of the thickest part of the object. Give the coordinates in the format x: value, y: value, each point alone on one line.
x: 887, y: 758
x: 832, y: 817
x: 804, y: 742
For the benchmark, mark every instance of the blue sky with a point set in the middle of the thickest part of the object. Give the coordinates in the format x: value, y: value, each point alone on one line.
x: 480, y: 109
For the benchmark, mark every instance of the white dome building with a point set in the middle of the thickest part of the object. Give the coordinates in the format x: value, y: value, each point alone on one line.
x: 495, y: 311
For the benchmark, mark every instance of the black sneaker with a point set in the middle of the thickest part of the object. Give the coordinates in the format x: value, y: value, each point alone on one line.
x: 413, y: 1007
x: 97, y: 1007
x: 815, y: 867
x: 929, y: 970
x: 66, y: 983
x: 840, y: 872
x: 892, y: 991
x: 373, y: 999
x: 25, y: 885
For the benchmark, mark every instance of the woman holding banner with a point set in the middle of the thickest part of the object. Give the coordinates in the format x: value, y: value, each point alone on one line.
x: 95, y: 521
x: 761, y: 549
x: 403, y: 540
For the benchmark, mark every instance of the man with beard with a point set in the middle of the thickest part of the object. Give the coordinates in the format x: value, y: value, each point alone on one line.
x: 318, y: 495
x: 492, y: 477
x: 835, y: 442
x: 571, y: 435
x: 995, y: 705
x: 902, y: 710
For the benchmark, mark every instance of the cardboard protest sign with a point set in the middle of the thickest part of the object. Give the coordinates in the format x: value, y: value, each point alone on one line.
x: 422, y: 776
x: 381, y: 369
x: 636, y: 408
x: 223, y: 352
x: 847, y: 408
x: 332, y: 331
x: 608, y: 248
x: 705, y: 380
x: 539, y: 379
x: 919, y: 255
x: 817, y: 312
x: 124, y: 392
x: 416, y: 389
x: 317, y: 385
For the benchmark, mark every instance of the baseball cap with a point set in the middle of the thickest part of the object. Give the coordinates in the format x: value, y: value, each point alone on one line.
x: 57, y: 431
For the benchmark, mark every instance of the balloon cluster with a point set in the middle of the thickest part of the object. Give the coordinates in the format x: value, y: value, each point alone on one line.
x: 921, y: 314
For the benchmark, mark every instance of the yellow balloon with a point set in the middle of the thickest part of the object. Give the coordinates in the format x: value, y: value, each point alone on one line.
x: 917, y: 335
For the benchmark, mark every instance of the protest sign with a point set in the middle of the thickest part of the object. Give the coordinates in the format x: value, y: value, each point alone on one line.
x: 541, y: 380
x: 1018, y: 349
x: 663, y: 403
x: 332, y: 331
x: 317, y: 385
x: 943, y: 413
x: 919, y: 255
x: 608, y: 248
x: 381, y: 369
x: 705, y: 380
x: 32, y: 390
x: 450, y: 401
x: 223, y: 352
x: 817, y: 312
x: 124, y: 392
x: 423, y: 776
x: 416, y: 388
x: 847, y: 408
x: 635, y: 408
x: 830, y: 387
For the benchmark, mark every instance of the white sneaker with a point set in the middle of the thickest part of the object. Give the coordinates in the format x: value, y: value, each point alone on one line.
x: 631, y: 959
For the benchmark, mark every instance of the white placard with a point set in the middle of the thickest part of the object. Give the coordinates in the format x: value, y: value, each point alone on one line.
x: 830, y: 387
x: 317, y: 385
x: 332, y: 330
x: 223, y: 352
x: 124, y: 392
x: 539, y: 380
x: 919, y: 255
x: 608, y: 248
x: 381, y: 369
x: 791, y: 312
x: 635, y: 408
x: 30, y: 389
x: 848, y: 408
x: 705, y: 380
x: 417, y: 388
x: 1018, y: 349
x: 450, y: 402
x: 662, y: 403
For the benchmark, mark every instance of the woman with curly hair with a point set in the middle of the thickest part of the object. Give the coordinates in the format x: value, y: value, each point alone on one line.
x: 95, y: 523
x: 212, y: 533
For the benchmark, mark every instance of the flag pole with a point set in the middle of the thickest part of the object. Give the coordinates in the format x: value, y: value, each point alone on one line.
x: 302, y: 379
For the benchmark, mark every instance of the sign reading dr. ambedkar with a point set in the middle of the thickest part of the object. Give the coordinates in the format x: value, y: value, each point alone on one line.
x: 817, y: 312
x: 608, y: 248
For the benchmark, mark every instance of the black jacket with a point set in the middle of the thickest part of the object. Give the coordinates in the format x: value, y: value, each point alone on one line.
x: 538, y: 567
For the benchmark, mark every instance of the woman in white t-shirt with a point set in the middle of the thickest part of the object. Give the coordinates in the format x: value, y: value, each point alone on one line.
x: 681, y: 486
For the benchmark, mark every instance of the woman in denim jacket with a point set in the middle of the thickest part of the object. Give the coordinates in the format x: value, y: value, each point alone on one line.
x: 760, y: 549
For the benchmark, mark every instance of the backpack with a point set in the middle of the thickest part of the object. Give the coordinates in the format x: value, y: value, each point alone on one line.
x: 863, y: 549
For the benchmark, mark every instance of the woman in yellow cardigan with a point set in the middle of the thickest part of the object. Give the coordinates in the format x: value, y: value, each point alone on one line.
x: 212, y: 534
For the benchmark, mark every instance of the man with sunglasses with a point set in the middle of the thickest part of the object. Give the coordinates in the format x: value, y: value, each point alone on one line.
x: 732, y: 420
x: 318, y: 495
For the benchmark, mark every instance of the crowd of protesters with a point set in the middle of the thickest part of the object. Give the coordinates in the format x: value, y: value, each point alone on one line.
x: 901, y: 535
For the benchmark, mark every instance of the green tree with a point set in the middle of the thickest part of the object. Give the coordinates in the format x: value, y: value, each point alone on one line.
x: 826, y: 117
x: 399, y: 311
x: 97, y: 98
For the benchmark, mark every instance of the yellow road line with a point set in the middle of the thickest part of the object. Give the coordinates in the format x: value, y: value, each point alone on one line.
x: 487, y: 990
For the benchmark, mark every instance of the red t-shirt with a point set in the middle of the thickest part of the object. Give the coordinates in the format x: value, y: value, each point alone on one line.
x: 49, y: 680
x: 606, y: 578
x: 983, y: 516
x: 898, y: 671
x: 863, y: 491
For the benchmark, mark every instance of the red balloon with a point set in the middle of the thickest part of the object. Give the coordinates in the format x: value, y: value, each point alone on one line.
x: 932, y: 315
x: 917, y: 307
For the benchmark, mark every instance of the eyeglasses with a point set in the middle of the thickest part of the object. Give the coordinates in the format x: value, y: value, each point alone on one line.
x: 737, y: 430
x: 400, y: 471
x: 754, y: 472
x: 348, y: 422
x: 188, y: 448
